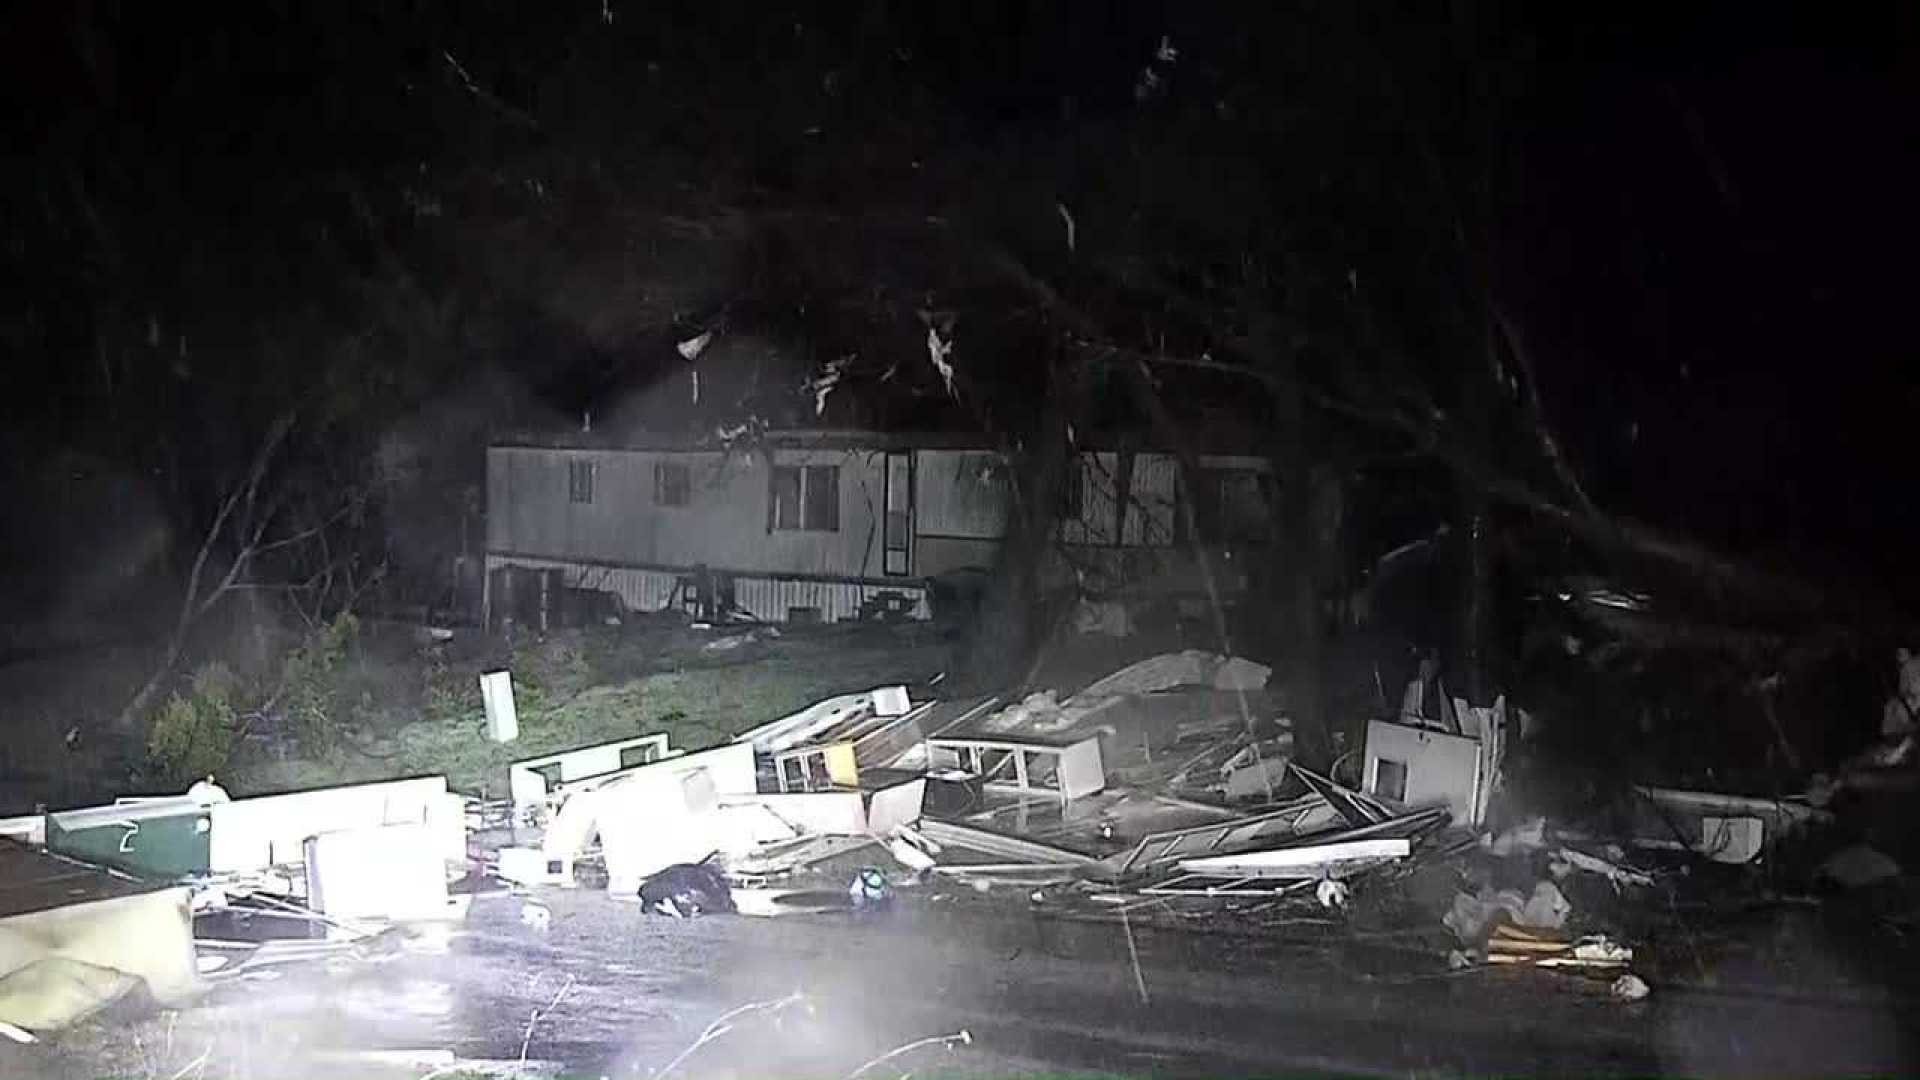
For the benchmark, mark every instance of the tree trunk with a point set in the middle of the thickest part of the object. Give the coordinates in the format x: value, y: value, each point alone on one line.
x: 1476, y: 608
x: 1476, y: 556
x: 1010, y: 629
x: 1297, y: 561
x: 1296, y: 584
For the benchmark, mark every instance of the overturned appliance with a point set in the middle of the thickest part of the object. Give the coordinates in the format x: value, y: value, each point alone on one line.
x: 1418, y: 765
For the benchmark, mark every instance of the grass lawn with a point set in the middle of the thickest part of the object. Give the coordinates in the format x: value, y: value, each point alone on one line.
x: 586, y: 687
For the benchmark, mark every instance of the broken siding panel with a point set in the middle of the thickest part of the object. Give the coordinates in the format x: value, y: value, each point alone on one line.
x: 961, y: 495
x: 256, y: 833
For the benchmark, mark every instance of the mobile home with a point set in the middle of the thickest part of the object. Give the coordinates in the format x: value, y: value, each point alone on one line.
x: 832, y: 526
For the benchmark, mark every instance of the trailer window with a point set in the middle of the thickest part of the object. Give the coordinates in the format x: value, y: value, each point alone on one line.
x: 579, y: 481
x: 672, y: 484
x: 805, y: 498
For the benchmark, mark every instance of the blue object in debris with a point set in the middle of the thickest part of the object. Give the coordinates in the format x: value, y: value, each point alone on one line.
x: 870, y: 890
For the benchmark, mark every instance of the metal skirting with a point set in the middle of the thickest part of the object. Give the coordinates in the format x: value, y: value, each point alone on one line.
x: 772, y: 599
x: 769, y: 599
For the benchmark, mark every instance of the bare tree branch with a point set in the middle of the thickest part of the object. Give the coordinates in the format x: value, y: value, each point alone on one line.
x: 1536, y: 414
x: 304, y: 534
x: 194, y: 604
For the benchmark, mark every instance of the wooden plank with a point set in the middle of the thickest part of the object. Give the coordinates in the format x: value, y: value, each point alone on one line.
x: 1307, y: 860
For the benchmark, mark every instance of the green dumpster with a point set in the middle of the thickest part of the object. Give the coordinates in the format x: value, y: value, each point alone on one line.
x: 157, y: 839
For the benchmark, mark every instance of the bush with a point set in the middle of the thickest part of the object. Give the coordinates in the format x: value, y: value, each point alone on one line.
x: 310, y: 685
x: 192, y: 736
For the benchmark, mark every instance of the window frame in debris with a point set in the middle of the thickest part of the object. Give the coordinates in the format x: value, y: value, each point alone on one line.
x: 1040, y: 770
x: 991, y: 770
x: 580, y: 481
x: 803, y: 498
x: 1380, y: 788
x: 672, y: 483
x: 1029, y: 768
x: 793, y: 774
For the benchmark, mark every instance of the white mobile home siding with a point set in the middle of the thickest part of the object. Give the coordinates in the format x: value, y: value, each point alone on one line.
x: 622, y: 540
x: 724, y: 524
x: 960, y: 509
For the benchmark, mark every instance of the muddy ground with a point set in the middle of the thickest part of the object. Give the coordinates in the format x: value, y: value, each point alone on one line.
x: 1035, y: 988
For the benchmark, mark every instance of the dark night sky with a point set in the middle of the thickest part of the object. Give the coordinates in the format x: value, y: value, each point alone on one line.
x: 1708, y: 233
x: 1716, y: 238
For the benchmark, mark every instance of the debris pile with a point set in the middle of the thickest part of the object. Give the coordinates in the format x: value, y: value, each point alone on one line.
x: 175, y: 893
x: 1167, y: 789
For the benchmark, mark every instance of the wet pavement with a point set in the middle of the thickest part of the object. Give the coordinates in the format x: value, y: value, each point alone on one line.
x: 622, y: 994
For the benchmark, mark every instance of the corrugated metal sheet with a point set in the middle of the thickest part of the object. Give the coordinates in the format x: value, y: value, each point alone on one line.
x: 772, y: 599
x: 638, y: 589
